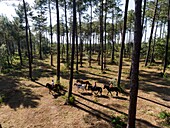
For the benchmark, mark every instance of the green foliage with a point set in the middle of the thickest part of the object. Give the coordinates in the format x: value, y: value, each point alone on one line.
x: 118, y: 122
x: 165, y: 75
x: 165, y: 116
x: 72, y: 100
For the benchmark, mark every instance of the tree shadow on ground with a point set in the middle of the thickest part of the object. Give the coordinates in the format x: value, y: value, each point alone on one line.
x: 85, y: 76
x: 90, y: 73
x: 152, y: 82
x: 17, y: 95
x: 95, y: 115
x: 155, y: 102
x: 154, y: 77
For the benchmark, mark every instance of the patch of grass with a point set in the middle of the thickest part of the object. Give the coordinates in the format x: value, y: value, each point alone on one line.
x: 72, y: 100
x: 119, y: 122
x: 165, y: 118
x: 96, y: 100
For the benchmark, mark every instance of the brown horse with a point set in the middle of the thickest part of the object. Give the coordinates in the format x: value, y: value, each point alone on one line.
x: 86, y: 82
x: 56, y: 88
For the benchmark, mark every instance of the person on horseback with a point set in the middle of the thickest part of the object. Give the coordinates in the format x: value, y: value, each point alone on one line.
x: 52, y: 83
x: 94, y: 85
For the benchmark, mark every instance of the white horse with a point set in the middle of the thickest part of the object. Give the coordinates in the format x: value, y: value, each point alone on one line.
x: 80, y: 86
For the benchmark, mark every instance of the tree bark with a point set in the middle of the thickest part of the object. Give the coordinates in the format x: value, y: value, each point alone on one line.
x: 81, y: 42
x: 31, y: 55
x: 27, y: 42
x: 58, y: 43
x: 135, y: 65
x: 67, y: 48
x: 101, y: 34
x: 112, y: 55
x: 153, y: 47
x: 122, y: 44
x: 51, y: 33
x: 167, y: 40
x: 90, y: 34
x: 72, y: 56
x: 105, y: 35
x: 150, y: 38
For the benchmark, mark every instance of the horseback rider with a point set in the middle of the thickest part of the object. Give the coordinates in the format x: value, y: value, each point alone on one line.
x: 94, y: 85
x: 52, y: 83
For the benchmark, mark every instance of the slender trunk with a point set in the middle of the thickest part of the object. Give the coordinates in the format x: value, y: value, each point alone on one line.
x: 40, y: 52
x: 150, y: 39
x: 77, y: 57
x: 58, y: 42
x: 19, y: 51
x: 81, y: 42
x: 51, y: 33
x: 145, y: 30
x: 167, y: 40
x: 105, y: 35
x: 67, y: 48
x: 135, y: 66
x: 93, y: 44
x: 160, y: 30
x: 90, y: 34
x: 101, y: 33
x: 27, y: 42
x: 72, y: 57
x: 112, y: 56
x: 153, y: 47
x: 122, y: 45
x: 143, y: 16
x: 164, y: 30
x: 31, y: 55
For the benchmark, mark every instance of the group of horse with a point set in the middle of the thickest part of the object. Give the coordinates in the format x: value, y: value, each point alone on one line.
x: 86, y: 85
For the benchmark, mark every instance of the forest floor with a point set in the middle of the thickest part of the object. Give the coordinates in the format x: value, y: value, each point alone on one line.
x: 28, y: 104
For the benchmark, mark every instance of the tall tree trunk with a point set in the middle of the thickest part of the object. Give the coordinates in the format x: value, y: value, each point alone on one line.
x: 167, y: 40
x: 51, y: 33
x: 112, y: 55
x: 122, y: 44
x: 160, y: 30
x: 105, y: 35
x: 72, y: 56
x: 143, y: 17
x: 145, y: 30
x: 153, y: 47
x: 101, y: 33
x: 28, y: 49
x: 144, y: 10
x: 58, y: 43
x: 135, y: 65
x: 90, y: 34
x: 150, y: 39
x: 81, y: 42
x: 31, y: 55
x: 77, y: 56
x: 19, y: 51
x: 67, y: 48
x: 40, y: 51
